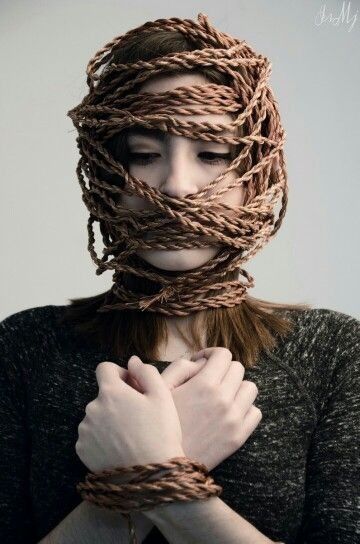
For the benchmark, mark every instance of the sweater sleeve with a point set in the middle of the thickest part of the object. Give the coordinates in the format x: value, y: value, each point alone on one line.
x: 16, y: 522
x: 332, y: 499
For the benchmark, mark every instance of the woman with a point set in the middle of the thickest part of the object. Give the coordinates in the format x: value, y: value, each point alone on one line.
x: 287, y: 466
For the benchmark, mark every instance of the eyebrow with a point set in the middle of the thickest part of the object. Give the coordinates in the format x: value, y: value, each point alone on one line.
x: 150, y: 132
x: 158, y: 134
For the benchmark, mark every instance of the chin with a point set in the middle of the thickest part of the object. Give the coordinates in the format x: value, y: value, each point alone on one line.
x: 178, y: 259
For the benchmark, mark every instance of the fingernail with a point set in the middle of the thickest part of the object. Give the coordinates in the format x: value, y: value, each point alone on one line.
x: 136, y: 358
x: 201, y: 360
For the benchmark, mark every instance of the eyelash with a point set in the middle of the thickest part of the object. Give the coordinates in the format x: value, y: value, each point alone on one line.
x: 141, y: 157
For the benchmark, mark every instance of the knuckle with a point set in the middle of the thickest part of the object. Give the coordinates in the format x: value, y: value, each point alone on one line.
x: 89, y: 408
x: 104, y: 390
x: 226, y: 351
x: 252, y: 386
x: 152, y: 369
x: 238, y: 365
x: 81, y: 426
x: 223, y: 402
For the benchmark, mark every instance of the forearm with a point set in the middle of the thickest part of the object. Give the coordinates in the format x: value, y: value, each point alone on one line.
x: 195, y: 521
x: 89, y: 524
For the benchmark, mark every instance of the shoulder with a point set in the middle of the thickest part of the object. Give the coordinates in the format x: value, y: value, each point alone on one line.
x: 26, y: 320
x: 323, y: 329
x: 322, y: 350
x: 25, y: 331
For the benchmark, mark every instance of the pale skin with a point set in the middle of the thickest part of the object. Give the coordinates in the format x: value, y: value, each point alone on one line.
x: 158, y: 412
x: 140, y: 416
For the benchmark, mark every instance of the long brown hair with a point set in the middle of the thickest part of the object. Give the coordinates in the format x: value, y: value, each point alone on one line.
x: 248, y: 329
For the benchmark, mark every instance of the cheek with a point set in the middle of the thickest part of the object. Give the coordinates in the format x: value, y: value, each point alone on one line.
x: 234, y: 196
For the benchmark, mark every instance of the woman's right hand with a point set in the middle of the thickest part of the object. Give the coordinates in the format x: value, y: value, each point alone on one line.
x: 214, y: 404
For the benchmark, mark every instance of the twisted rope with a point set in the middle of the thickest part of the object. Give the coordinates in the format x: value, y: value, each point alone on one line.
x: 184, y: 480
x: 110, y: 107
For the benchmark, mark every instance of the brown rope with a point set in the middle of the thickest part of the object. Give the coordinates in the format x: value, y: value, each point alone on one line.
x: 186, y: 480
x: 111, y: 107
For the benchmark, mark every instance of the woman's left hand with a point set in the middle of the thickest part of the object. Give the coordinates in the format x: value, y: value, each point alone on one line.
x: 125, y: 427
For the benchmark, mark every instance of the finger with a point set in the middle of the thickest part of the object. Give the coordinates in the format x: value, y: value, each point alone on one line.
x: 180, y: 371
x: 130, y: 380
x: 109, y: 373
x: 233, y: 379
x: 246, y: 395
x: 218, y: 363
x: 147, y: 376
x: 251, y: 420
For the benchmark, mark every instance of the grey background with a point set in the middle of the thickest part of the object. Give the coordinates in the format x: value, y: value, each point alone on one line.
x: 45, y: 47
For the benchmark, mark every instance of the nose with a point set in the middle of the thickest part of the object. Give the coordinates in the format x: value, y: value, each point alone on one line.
x: 179, y: 177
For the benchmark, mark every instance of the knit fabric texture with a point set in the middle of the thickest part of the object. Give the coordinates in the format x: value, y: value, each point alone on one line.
x: 296, y: 478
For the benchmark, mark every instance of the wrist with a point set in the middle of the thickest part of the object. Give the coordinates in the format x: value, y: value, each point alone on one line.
x: 126, y: 478
x: 110, y: 525
x: 179, y: 510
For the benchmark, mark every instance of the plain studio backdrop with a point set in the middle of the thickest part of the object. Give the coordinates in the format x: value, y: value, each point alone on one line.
x: 314, y: 48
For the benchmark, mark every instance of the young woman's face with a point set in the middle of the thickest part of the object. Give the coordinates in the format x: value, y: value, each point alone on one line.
x: 179, y: 166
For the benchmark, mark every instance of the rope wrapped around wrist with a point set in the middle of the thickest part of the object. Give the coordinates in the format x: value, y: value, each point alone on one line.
x: 179, y: 479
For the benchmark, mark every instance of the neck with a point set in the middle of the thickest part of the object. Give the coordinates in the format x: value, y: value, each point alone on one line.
x: 175, y: 324
x: 176, y: 345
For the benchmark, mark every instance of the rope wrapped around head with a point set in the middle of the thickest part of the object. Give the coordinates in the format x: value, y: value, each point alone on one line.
x: 111, y: 107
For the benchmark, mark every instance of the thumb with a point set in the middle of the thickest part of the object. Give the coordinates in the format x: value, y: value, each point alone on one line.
x: 177, y: 374
x: 146, y: 375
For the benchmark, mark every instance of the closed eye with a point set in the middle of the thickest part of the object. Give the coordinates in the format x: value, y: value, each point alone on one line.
x: 207, y: 156
x: 216, y: 157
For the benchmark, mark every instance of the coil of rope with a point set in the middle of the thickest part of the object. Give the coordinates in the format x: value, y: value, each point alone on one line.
x: 110, y: 108
x: 184, y: 480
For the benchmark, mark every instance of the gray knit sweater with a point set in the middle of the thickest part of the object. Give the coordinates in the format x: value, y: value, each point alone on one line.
x: 296, y: 478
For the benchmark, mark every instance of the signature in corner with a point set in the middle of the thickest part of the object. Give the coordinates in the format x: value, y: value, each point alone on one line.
x: 344, y: 16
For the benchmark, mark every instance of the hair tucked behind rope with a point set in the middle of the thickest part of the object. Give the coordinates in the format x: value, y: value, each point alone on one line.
x: 246, y: 329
